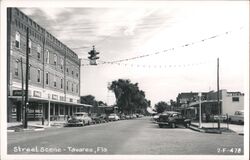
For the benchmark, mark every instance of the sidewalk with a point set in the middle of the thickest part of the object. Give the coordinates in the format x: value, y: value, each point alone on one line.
x: 34, y: 125
x: 212, y: 127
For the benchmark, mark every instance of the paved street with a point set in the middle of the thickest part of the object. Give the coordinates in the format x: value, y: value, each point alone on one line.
x: 137, y: 136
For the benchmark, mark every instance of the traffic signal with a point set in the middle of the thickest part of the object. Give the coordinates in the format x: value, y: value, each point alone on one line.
x: 93, y: 56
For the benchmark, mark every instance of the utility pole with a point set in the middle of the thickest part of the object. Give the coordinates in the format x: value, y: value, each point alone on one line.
x: 199, y: 95
x: 27, y: 80
x: 23, y: 111
x: 218, y: 94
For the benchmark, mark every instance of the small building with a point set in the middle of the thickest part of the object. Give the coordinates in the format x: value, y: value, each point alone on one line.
x: 229, y: 102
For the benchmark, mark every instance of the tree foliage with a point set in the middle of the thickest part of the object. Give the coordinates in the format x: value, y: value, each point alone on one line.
x: 161, y: 107
x: 129, y: 98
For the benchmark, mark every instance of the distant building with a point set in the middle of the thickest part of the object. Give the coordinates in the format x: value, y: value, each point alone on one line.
x: 54, y: 79
x: 229, y: 102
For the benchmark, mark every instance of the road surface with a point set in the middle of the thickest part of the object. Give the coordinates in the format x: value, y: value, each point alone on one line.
x: 137, y: 137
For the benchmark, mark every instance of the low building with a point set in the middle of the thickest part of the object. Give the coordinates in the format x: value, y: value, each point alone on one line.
x: 229, y: 102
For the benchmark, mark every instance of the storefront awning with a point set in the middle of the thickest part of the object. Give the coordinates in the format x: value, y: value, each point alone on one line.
x: 32, y: 99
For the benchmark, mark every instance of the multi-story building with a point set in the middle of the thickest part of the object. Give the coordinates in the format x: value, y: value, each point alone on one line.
x: 54, y: 71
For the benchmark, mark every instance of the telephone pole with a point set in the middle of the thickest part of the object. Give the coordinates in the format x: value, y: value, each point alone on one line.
x: 218, y: 94
x: 26, y: 80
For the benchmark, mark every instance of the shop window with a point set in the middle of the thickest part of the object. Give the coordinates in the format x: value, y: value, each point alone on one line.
x: 61, y: 111
x: 235, y: 99
x: 17, y: 42
x: 47, y: 78
x: 38, y: 75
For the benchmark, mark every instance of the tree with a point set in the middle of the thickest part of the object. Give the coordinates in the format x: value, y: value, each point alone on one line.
x: 161, y: 107
x: 89, y: 99
x: 129, y: 98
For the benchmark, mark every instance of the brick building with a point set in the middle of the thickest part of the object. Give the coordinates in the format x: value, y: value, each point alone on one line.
x: 54, y: 79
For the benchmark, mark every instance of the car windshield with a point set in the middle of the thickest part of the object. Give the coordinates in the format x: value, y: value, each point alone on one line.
x: 112, y: 114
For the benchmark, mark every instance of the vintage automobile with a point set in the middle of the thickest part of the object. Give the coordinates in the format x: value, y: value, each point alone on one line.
x: 113, y: 117
x: 98, y: 118
x: 238, y: 117
x: 172, y: 119
x: 79, y: 119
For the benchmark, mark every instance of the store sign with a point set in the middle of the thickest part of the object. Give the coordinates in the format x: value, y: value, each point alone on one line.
x: 18, y: 92
x: 55, y: 97
x: 37, y: 94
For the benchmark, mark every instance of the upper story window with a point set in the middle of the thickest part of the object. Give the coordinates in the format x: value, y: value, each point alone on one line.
x: 39, y: 50
x: 61, y: 83
x: 38, y: 75
x: 77, y: 88
x: 67, y: 85
x: 47, y: 57
x: 16, y: 68
x: 72, y: 73
x: 61, y: 63
x: 17, y: 41
x: 29, y: 48
x: 67, y: 70
x: 47, y: 78
x: 77, y: 75
x: 54, y: 80
x: 55, y: 59
x: 235, y: 99
x: 29, y: 72
x: 72, y: 87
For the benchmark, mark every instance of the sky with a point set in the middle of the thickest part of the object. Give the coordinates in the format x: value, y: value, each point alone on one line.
x: 158, y: 34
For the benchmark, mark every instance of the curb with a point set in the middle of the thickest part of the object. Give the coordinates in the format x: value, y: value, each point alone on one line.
x: 193, y: 127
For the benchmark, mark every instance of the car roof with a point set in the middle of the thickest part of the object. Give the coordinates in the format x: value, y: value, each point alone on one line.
x: 171, y: 112
x: 80, y: 113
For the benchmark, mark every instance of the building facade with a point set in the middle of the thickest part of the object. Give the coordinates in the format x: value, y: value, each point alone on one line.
x: 54, y: 71
x: 229, y: 102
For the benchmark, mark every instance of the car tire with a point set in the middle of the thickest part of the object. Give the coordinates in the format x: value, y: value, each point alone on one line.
x: 161, y: 125
x: 83, y: 123
x: 173, y: 125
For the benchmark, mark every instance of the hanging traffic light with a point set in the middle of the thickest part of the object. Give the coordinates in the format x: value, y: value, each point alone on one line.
x: 93, y: 56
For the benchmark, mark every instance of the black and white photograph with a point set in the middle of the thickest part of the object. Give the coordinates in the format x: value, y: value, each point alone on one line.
x: 124, y: 79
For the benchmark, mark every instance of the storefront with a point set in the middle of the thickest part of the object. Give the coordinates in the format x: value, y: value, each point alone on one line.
x: 39, y: 108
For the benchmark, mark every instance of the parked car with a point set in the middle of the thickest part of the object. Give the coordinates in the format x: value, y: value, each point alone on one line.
x: 79, y: 119
x: 128, y: 116
x: 172, y: 119
x: 156, y: 117
x: 122, y: 116
x: 113, y: 117
x: 134, y: 116
x: 238, y: 117
x: 98, y: 118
